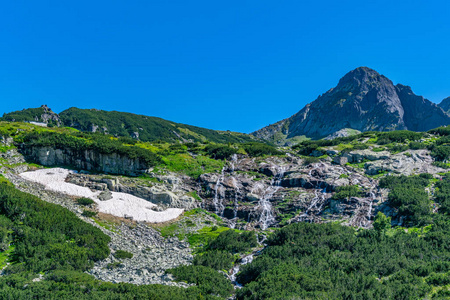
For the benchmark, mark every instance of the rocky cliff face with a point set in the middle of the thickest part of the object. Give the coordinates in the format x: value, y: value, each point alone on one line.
x: 85, y: 160
x: 445, y: 105
x: 363, y: 100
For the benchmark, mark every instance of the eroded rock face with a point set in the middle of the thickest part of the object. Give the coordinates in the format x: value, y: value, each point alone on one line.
x: 85, y: 160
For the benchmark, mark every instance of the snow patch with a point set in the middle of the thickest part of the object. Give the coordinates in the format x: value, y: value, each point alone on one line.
x: 120, y: 205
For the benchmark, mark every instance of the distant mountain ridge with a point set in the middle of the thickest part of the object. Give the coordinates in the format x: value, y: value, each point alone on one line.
x: 363, y: 100
x: 445, y: 105
x: 123, y: 124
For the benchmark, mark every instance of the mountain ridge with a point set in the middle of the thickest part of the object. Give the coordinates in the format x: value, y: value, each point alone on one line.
x: 124, y: 124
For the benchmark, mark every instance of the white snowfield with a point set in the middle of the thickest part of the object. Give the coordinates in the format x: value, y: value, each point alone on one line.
x: 120, y: 205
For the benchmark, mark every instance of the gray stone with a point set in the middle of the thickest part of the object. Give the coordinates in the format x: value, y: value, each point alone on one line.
x: 104, y: 196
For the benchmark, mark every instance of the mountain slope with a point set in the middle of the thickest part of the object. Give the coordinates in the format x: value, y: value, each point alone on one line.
x: 125, y: 124
x: 363, y: 100
x: 445, y: 105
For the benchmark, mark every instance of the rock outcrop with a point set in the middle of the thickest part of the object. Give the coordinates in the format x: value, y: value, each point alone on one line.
x: 42, y: 116
x: 363, y: 100
x: 85, y: 160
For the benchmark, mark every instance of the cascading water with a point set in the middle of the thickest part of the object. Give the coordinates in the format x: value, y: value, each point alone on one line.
x: 316, y: 203
x: 372, y: 198
x: 237, y: 195
x: 219, y: 194
x: 245, y: 260
x: 319, y: 197
x: 266, y: 218
x: 219, y: 190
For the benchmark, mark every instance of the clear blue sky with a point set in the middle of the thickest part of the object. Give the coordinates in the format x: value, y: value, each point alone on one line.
x: 227, y: 65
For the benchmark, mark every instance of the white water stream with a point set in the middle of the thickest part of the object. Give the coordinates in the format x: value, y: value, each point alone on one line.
x: 219, y: 194
x: 266, y: 218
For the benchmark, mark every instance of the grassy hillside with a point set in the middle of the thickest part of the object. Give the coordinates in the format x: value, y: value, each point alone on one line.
x: 123, y: 124
x: 192, y: 159
x: 143, y: 127
x: 25, y: 115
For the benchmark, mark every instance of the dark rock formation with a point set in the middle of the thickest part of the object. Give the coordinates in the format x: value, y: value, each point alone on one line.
x: 363, y: 100
x: 445, y: 105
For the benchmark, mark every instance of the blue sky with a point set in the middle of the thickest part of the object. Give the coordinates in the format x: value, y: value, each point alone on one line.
x: 227, y: 65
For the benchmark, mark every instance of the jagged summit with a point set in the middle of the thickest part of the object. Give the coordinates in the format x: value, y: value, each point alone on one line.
x: 363, y: 100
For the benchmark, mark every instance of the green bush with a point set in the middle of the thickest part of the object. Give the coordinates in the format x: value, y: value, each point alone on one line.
x: 440, y: 164
x: 444, y: 131
x: 259, y: 149
x: 208, y: 280
x: 381, y: 222
x: 85, y: 201
x: 417, y: 145
x: 330, y: 261
x: 88, y: 213
x: 220, y: 151
x: 120, y: 254
x: 346, y: 192
x: 234, y: 242
x: 441, y: 153
x: 47, y: 236
x: 310, y: 160
x: 216, y: 259
x: 399, y: 136
x: 408, y: 195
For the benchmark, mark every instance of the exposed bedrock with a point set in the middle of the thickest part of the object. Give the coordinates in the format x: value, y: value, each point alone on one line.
x: 89, y: 160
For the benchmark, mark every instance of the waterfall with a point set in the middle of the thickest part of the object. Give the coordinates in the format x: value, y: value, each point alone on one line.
x: 372, y: 198
x: 266, y: 218
x: 237, y: 194
x: 245, y: 260
x: 219, y: 191
x: 219, y: 195
x: 319, y: 198
x: 316, y: 203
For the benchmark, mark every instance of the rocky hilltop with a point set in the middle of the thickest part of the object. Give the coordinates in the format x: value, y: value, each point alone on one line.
x: 43, y: 116
x: 363, y: 100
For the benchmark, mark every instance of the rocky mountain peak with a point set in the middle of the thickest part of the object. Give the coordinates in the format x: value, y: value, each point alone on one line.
x: 363, y: 100
x: 361, y: 76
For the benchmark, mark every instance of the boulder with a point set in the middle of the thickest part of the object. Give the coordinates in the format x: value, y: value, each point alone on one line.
x: 104, y: 196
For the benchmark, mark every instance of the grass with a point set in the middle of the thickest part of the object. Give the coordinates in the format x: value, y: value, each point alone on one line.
x: 105, y: 224
x: 4, y: 256
x: 358, y: 165
x: 379, y: 175
x: 194, y: 195
x: 4, y: 149
x: 193, y: 167
x: 205, y: 234
x: 344, y: 147
x: 169, y: 230
x: 173, y: 229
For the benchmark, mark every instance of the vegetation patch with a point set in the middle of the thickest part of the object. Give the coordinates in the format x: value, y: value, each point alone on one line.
x: 120, y: 254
